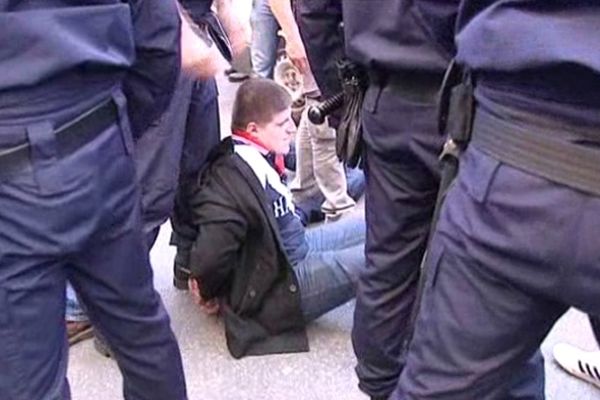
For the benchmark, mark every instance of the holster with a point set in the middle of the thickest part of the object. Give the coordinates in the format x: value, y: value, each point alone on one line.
x: 349, y: 142
x: 456, y: 111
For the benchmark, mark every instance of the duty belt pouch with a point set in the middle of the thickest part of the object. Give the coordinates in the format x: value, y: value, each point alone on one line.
x: 456, y: 110
x: 460, y: 113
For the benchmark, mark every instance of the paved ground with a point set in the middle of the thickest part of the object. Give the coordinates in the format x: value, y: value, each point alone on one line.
x: 325, y: 373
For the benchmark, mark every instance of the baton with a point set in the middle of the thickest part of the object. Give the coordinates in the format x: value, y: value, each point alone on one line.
x: 318, y: 113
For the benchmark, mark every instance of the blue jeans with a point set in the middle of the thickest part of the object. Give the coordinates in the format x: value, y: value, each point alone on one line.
x: 74, y: 311
x: 327, y: 276
x: 310, y: 207
x: 263, y: 47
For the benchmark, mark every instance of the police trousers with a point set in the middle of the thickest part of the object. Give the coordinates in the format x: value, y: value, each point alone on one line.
x: 175, y: 148
x: 402, y: 178
x: 202, y: 135
x: 402, y: 147
x: 76, y: 216
x: 511, y: 253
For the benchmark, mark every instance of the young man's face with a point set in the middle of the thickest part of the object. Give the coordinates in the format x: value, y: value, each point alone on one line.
x: 277, y: 134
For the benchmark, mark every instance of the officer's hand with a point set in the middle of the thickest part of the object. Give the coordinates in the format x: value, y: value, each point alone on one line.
x: 197, y: 57
x: 210, y: 307
x: 297, y: 55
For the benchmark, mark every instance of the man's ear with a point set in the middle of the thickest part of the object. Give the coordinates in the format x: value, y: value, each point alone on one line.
x: 252, y: 129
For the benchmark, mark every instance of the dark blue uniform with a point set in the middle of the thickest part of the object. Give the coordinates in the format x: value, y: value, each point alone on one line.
x: 515, y: 246
x: 202, y: 133
x: 402, y: 146
x: 69, y: 205
x: 176, y: 146
x: 319, y: 24
x: 401, y: 169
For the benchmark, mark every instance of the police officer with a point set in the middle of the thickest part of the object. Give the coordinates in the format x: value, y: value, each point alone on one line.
x: 202, y: 126
x: 68, y: 198
x: 319, y: 25
x: 516, y: 244
x: 402, y: 146
x: 177, y: 144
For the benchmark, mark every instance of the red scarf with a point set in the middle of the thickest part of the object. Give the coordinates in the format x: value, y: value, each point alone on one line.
x: 279, y: 162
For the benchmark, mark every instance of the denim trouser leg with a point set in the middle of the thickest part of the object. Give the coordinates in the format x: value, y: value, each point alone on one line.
x: 74, y: 311
x: 263, y: 48
x: 327, y: 276
x: 355, y: 177
x: 529, y: 381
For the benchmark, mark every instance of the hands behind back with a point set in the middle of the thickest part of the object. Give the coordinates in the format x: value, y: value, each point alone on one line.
x: 210, y: 307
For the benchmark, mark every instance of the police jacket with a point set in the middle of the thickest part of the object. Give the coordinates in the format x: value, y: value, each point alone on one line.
x: 150, y: 82
x: 235, y: 250
x: 319, y: 25
x: 385, y: 36
x: 64, y: 53
x: 546, y: 50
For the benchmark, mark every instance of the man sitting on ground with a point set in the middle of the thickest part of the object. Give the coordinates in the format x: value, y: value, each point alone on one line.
x: 249, y: 254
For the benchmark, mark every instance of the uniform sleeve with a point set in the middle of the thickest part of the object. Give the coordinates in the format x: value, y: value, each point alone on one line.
x: 151, y: 81
x: 319, y: 22
x: 438, y: 19
x: 220, y: 235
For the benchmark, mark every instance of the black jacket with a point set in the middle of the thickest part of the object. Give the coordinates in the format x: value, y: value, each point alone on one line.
x: 232, y: 245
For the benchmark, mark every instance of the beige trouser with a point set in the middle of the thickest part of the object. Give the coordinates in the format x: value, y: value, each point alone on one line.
x: 318, y: 168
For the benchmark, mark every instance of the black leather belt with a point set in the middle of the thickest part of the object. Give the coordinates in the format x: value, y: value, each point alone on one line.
x: 545, y: 152
x: 70, y: 137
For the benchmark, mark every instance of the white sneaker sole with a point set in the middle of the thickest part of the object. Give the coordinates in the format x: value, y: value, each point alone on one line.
x: 583, y: 365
